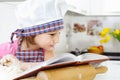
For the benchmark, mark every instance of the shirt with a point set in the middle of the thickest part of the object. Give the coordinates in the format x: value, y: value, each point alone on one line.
x: 8, y: 48
x: 23, y: 55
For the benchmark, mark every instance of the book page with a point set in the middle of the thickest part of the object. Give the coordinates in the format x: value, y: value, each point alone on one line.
x: 79, y: 58
x: 58, y: 59
x: 64, y: 57
x: 31, y: 70
x: 91, y: 56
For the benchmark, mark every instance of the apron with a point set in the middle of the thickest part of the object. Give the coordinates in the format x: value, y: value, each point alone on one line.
x: 30, y: 55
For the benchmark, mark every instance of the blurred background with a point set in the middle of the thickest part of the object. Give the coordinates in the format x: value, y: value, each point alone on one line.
x: 80, y: 13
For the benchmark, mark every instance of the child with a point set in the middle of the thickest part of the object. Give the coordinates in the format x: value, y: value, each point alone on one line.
x: 41, y: 22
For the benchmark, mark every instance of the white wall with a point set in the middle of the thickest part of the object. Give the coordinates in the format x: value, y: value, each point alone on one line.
x: 7, y: 21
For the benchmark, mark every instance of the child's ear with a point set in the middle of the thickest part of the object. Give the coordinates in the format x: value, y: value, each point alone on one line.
x: 31, y: 39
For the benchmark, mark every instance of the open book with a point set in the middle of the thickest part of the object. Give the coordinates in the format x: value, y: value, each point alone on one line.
x: 66, y: 59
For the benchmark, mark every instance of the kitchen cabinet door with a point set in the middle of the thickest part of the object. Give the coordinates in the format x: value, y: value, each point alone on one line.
x: 79, y: 6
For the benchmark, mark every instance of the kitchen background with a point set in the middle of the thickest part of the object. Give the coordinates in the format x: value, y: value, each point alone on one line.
x: 79, y: 11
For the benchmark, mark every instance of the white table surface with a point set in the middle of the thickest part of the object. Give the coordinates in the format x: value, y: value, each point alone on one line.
x: 113, y: 72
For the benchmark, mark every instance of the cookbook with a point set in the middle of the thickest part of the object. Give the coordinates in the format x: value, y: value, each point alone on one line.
x: 62, y: 60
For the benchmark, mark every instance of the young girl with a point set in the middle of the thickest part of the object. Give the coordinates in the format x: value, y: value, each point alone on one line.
x: 41, y: 21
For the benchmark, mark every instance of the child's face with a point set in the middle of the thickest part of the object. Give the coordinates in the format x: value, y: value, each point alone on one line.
x: 47, y: 40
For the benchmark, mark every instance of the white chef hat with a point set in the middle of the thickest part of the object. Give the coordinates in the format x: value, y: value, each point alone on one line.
x: 35, y: 12
x: 39, y: 16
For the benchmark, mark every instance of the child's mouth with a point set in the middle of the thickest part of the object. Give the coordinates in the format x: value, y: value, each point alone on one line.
x: 51, y: 45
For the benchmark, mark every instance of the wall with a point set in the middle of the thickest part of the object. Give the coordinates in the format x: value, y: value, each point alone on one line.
x: 7, y: 21
x: 82, y: 41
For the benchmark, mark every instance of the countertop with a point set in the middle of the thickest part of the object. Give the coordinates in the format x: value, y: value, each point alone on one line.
x: 113, y: 72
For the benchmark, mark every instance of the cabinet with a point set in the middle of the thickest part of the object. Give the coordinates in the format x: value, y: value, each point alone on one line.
x: 95, y: 7
x: 104, y: 7
x: 79, y: 6
x: 111, y: 6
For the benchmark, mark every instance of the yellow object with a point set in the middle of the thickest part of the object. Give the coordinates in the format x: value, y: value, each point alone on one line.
x: 106, y: 34
x: 117, y: 31
x: 96, y: 49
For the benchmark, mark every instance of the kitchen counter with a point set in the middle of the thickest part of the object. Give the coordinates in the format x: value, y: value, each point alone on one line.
x: 113, y: 72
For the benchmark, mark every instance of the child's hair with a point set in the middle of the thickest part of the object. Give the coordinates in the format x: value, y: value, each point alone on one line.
x: 29, y: 40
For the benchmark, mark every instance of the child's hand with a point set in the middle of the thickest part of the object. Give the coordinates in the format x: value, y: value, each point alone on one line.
x: 9, y: 60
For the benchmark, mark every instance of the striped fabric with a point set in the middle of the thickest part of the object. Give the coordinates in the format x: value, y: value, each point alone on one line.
x: 31, y: 55
x: 39, y: 29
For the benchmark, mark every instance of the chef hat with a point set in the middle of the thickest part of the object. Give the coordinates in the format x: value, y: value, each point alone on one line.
x: 40, y: 16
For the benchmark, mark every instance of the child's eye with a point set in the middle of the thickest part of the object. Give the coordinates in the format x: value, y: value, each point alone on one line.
x: 52, y: 34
